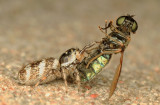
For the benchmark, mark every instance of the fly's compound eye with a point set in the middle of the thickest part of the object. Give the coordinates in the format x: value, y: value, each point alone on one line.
x: 120, y: 20
x: 134, y: 26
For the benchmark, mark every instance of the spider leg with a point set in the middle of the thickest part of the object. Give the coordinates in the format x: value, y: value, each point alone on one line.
x: 65, y: 79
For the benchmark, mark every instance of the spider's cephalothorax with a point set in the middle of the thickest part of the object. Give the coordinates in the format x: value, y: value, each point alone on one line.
x: 41, y: 71
x: 69, y: 57
x: 69, y: 61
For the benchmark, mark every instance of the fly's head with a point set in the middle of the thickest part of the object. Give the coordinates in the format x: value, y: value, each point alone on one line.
x: 127, y: 24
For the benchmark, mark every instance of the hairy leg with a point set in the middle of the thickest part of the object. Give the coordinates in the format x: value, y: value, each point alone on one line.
x: 65, y: 79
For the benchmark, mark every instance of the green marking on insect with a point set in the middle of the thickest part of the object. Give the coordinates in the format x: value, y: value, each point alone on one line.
x: 99, y: 64
x: 102, y: 60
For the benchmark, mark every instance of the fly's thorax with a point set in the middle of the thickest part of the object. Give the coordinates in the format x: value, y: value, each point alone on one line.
x: 111, y: 43
x: 35, y: 71
x: 119, y: 37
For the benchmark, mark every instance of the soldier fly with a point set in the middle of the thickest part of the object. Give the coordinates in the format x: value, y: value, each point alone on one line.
x: 113, y: 43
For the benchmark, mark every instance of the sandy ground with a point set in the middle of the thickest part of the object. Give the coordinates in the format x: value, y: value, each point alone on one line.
x: 35, y: 29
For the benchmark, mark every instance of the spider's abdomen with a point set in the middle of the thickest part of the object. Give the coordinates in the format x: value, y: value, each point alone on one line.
x: 48, y: 68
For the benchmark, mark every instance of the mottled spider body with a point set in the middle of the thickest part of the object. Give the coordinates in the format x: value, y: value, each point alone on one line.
x: 34, y: 72
x: 49, y: 69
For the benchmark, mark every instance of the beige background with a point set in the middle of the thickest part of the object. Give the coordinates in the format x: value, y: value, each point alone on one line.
x: 34, y: 29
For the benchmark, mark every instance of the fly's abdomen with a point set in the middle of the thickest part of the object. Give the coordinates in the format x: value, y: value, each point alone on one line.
x: 95, y: 67
x: 42, y: 71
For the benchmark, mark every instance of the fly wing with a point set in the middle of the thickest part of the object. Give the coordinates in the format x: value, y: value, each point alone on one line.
x: 116, y: 76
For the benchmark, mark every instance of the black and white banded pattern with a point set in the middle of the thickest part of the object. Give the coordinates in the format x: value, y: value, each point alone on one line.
x: 48, y: 68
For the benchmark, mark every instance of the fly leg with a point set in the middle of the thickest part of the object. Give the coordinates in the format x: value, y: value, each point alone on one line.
x: 109, y: 37
x: 106, y: 26
x: 114, y: 29
x: 111, y: 51
x: 86, y: 49
x: 41, y: 80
